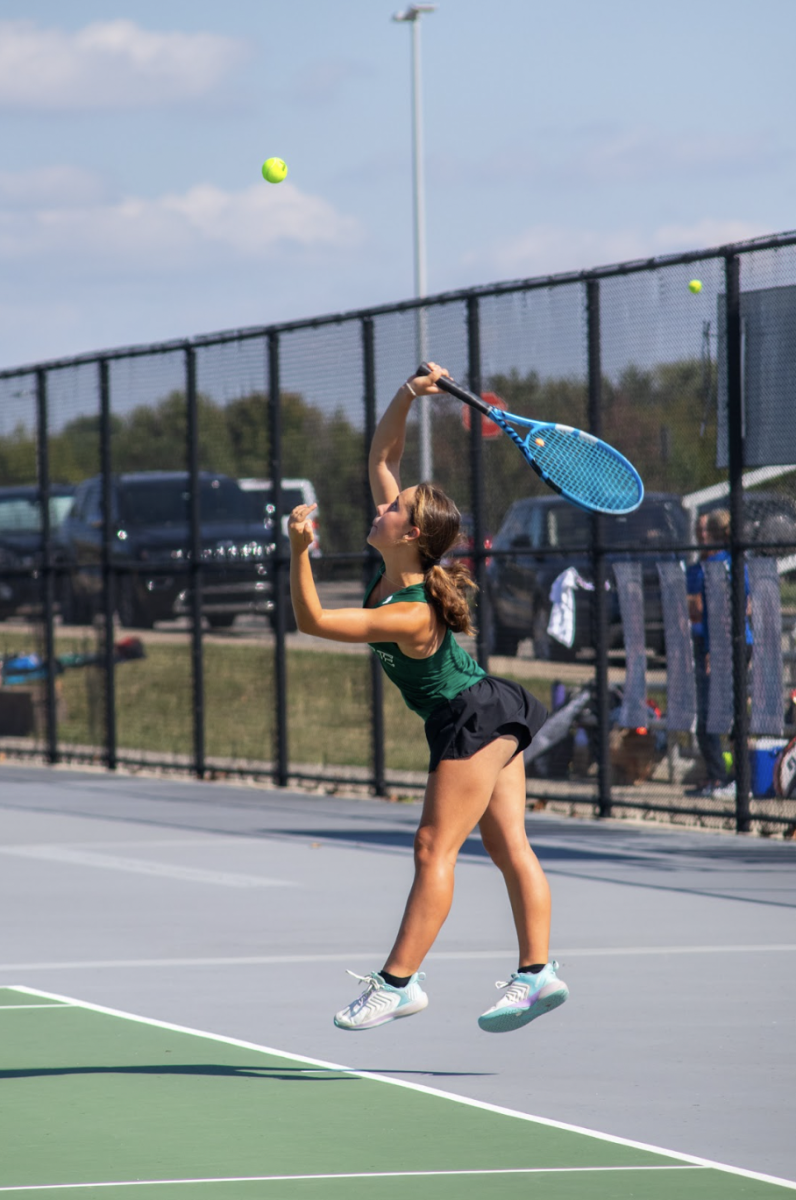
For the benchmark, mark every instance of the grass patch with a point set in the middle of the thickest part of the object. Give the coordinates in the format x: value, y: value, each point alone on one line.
x: 328, y: 693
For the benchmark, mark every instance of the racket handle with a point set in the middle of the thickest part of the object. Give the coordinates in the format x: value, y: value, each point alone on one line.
x: 456, y: 389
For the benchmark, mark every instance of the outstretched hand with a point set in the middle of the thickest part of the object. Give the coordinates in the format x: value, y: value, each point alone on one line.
x: 299, y: 527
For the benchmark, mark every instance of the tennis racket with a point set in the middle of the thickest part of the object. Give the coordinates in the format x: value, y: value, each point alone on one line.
x: 582, y: 468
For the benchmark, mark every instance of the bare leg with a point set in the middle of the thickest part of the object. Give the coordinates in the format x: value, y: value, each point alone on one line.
x: 503, y: 832
x: 456, y: 798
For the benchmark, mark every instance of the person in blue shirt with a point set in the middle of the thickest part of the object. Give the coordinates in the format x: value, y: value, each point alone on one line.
x: 713, y: 527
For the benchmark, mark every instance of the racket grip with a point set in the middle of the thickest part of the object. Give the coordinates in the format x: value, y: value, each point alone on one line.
x: 455, y: 389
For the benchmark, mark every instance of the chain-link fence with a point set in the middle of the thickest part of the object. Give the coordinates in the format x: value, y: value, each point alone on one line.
x: 145, y: 608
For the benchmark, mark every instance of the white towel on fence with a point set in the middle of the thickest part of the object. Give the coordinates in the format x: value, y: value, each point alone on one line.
x: 561, y: 625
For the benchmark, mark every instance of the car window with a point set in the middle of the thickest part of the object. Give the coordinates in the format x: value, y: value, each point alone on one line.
x: 261, y: 504
x: 78, y: 503
x: 513, y: 527
x: 567, y: 527
x: 658, y: 524
x: 91, y: 510
x: 19, y: 515
x: 59, y: 507
x: 167, y: 502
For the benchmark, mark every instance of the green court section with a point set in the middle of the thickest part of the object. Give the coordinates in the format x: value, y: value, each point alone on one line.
x: 93, y: 1098
x: 12, y: 999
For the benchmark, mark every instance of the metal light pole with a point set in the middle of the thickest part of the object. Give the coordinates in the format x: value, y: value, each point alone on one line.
x: 412, y: 14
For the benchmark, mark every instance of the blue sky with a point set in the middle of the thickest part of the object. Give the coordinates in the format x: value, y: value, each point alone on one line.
x: 557, y: 136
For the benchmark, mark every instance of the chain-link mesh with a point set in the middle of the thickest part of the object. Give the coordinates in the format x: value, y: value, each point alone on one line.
x: 22, y: 633
x: 322, y: 406
x: 173, y: 593
x: 148, y: 552
x: 73, y: 445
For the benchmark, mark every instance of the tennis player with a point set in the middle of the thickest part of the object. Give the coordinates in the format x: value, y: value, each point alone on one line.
x: 476, y: 725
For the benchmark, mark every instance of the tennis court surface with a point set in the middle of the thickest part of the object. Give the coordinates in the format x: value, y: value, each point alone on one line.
x: 98, y: 1102
x: 173, y: 952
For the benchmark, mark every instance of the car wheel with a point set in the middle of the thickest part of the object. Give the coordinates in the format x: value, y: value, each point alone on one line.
x: 131, y: 612
x: 220, y: 620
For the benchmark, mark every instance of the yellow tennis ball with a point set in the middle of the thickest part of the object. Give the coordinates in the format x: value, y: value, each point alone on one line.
x: 274, y: 170
x: 695, y: 285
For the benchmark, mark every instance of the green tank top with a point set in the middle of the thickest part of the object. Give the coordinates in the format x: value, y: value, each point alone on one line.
x: 424, y: 682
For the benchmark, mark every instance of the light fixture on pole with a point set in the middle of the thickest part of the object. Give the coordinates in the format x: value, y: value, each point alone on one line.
x: 412, y: 14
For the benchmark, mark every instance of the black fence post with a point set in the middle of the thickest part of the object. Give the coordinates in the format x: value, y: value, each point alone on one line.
x: 108, y: 576
x: 477, y: 475
x: 281, y: 561
x: 372, y: 559
x: 43, y: 470
x: 196, y: 572
x: 735, y: 432
x: 600, y: 606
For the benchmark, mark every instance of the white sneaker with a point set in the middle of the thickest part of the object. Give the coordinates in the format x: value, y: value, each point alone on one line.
x: 527, y: 997
x: 722, y: 791
x: 380, y: 1003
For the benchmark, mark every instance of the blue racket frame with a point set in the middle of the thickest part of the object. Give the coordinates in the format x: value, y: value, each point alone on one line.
x: 582, y: 468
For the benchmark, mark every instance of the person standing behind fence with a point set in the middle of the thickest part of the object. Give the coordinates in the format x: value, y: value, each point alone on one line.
x: 476, y: 726
x: 713, y: 527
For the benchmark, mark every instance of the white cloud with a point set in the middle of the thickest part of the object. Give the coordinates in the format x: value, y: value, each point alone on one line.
x: 707, y: 232
x: 64, y: 185
x: 173, y: 231
x: 110, y: 64
x: 641, y: 154
x: 550, y: 249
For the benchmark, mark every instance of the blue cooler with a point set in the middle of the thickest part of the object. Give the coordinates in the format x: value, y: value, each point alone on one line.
x: 762, y: 757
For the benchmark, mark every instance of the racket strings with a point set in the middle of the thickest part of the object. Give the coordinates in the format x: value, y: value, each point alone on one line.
x: 589, y: 472
x: 586, y: 469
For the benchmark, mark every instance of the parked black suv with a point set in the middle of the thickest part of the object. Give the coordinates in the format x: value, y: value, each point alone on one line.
x: 152, y: 538
x: 536, y: 529
x: 21, y: 549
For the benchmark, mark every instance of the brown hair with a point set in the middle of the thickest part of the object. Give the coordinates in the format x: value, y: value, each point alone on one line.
x: 718, y: 525
x: 438, y: 519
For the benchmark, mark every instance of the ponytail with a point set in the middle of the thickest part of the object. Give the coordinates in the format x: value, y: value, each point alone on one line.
x: 438, y: 519
x: 447, y: 589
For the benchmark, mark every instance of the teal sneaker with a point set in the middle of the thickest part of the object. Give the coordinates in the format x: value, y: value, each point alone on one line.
x: 526, y: 997
x: 380, y: 1003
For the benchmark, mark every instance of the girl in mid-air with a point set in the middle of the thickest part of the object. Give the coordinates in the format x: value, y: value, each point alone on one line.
x: 476, y: 725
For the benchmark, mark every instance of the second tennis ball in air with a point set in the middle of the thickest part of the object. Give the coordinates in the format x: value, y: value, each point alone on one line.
x: 695, y: 285
x: 274, y: 170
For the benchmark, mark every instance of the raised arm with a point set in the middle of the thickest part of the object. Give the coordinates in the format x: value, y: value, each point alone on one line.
x: 408, y: 623
x: 387, y: 447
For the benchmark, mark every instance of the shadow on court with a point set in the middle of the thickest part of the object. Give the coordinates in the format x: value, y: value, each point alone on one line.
x: 731, y: 873
x: 220, y: 1070
x: 215, y: 1070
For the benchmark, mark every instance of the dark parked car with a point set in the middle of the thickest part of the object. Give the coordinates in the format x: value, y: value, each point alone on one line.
x: 21, y: 543
x: 536, y: 530
x: 152, y: 539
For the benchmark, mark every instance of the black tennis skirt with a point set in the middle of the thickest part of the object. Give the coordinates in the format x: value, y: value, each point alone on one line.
x: 490, y: 708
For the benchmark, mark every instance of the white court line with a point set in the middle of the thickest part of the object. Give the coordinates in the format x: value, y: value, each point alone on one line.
x: 348, y: 956
x: 55, y: 1187
x: 141, y: 866
x: 692, y: 1159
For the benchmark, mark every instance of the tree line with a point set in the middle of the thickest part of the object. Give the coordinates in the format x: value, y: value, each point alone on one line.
x: 661, y: 418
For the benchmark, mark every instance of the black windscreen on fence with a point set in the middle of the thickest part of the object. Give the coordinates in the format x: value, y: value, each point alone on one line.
x: 145, y: 614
